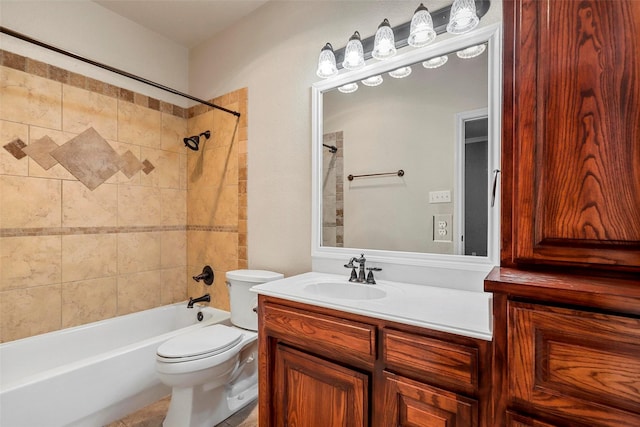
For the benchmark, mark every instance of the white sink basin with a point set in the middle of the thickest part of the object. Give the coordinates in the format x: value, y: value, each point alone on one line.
x: 345, y: 290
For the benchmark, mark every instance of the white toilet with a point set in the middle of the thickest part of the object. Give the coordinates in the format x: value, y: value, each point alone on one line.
x: 213, y: 371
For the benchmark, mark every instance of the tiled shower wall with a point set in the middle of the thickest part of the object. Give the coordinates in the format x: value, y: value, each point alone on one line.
x: 100, y: 227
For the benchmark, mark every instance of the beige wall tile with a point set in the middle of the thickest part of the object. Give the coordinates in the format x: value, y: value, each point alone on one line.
x: 139, y: 206
x: 82, y: 207
x: 88, y: 301
x: 226, y: 126
x: 173, y: 287
x: 27, y: 312
x: 139, y: 291
x: 139, y: 125
x: 220, y: 165
x: 29, y: 261
x: 167, y: 168
x: 30, y: 99
x: 88, y: 256
x: 173, y: 249
x: 82, y: 109
x: 30, y: 202
x: 138, y: 252
x: 174, y: 207
x: 213, y: 205
x: 200, y: 123
x: 217, y: 249
x: 10, y: 131
x: 174, y: 130
x: 183, y: 171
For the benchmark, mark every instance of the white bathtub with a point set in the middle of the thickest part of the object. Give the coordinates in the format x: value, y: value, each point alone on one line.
x: 92, y: 374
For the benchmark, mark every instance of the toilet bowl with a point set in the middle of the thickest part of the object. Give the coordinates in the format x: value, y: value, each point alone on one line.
x: 213, y: 371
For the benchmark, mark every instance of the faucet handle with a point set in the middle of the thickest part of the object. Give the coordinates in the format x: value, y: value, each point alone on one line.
x: 370, y: 279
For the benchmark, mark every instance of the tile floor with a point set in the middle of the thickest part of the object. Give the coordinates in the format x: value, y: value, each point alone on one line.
x: 153, y: 415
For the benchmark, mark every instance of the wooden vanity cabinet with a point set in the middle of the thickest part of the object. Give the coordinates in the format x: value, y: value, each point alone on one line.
x: 566, y: 349
x: 321, y: 367
x: 571, y: 134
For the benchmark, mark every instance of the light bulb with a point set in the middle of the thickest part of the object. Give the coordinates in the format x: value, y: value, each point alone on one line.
x: 422, y: 32
x: 353, y: 53
x: 327, y: 62
x: 348, y: 88
x: 463, y: 17
x: 373, y: 81
x: 472, y: 51
x: 400, y: 73
x: 384, y: 46
x: 436, y: 62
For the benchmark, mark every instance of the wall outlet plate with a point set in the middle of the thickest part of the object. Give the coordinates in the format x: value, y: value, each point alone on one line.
x: 442, y: 228
x: 443, y: 196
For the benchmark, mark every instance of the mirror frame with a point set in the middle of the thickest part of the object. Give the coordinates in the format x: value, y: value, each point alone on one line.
x: 491, y: 34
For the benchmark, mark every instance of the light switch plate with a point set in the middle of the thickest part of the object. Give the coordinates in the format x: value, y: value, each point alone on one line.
x: 443, y: 196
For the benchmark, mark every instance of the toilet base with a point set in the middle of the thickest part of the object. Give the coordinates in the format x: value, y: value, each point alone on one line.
x: 197, y: 408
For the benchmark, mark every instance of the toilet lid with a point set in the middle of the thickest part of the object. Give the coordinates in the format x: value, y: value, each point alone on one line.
x: 204, y: 342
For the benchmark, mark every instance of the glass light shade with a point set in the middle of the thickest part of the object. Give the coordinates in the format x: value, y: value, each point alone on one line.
x: 463, y: 17
x: 348, y: 88
x: 421, y: 32
x: 384, y: 45
x: 471, y: 52
x: 436, y: 62
x: 400, y: 73
x: 353, y: 53
x: 373, y: 81
x: 327, y: 62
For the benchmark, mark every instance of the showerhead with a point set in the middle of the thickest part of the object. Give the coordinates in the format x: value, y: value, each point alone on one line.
x: 192, y: 142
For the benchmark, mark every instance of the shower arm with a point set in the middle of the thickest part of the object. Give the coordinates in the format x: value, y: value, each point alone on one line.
x: 113, y: 70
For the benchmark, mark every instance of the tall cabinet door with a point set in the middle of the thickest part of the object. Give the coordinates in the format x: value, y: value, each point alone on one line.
x: 571, y: 135
x: 313, y: 392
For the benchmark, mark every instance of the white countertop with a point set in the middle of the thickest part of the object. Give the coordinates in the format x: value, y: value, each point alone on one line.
x: 449, y: 310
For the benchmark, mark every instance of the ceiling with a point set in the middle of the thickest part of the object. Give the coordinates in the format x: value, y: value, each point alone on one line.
x: 186, y: 22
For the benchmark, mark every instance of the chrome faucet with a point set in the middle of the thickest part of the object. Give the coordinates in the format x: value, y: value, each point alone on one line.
x: 203, y: 298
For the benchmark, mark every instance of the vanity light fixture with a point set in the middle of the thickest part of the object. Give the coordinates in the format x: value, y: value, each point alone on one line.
x: 327, y: 62
x: 400, y: 73
x: 349, y: 88
x: 384, y: 46
x: 436, y: 62
x: 422, y: 32
x: 373, y: 81
x: 472, y: 51
x: 463, y: 17
x: 353, y: 53
x: 459, y: 17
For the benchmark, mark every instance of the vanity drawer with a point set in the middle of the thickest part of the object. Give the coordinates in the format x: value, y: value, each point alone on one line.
x: 431, y: 359
x: 579, y: 365
x: 324, y: 334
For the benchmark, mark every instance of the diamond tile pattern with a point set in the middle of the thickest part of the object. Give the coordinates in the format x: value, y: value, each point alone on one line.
x: 40, y: 152
x: 15, y: 148
x: 89, y: 158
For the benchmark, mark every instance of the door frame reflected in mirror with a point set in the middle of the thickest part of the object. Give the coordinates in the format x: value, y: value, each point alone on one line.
x: 490, y: 34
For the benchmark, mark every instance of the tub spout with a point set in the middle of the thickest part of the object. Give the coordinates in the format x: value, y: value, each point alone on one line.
x: 203, y: 298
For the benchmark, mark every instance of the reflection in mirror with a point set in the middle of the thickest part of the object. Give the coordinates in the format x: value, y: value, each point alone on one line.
x: 436, y: 125
x: 404, y: 123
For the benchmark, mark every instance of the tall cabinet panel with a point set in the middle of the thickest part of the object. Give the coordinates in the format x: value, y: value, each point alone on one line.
x: 572, y: 133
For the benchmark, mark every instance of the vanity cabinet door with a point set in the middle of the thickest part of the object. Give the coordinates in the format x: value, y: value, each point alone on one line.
x: 515, y: 420
x: 313, y: 392
x: 409, y: 403
x: 575, y: 365
x: 571, y: 132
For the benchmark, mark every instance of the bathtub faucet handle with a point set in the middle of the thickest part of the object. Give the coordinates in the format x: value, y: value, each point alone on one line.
x: 206, y: 276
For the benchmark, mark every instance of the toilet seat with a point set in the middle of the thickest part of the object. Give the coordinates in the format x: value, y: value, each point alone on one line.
x: 205, y: 342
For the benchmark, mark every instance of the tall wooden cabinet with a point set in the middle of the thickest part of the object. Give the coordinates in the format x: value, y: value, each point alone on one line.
x: 571, y: 133
x: 567, y: 294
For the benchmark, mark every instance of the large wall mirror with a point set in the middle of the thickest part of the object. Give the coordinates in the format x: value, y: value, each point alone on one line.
x: 406, y: 170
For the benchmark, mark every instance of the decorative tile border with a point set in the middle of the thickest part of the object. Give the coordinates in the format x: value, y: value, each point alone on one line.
x: 67, y: 231
x: 51, y: 72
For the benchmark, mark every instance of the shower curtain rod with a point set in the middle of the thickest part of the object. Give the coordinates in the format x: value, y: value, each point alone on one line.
x: 113, y: 70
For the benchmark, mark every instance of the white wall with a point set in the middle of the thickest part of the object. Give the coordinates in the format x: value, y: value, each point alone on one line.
x: 274, y: 53
x: 88, y: 29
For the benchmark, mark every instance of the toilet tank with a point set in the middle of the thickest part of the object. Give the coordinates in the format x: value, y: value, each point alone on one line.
x: 242, y: 300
